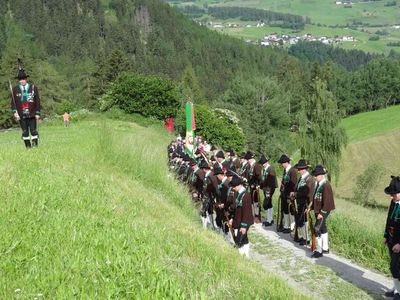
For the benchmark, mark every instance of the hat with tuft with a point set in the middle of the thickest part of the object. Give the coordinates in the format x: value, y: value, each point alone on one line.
x: 319, y: 170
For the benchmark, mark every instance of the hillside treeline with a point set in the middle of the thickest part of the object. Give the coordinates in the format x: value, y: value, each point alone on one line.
x: 254, y: 14
x: 75, y: 50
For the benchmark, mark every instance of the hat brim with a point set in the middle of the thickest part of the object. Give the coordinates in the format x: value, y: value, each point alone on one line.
x: 318, y: 173
x: 390, y: 190
x: 302, y: 167
x: 283, y: 161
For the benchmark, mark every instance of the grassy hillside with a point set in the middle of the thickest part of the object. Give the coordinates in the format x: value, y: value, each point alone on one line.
x: 325, y: 11
x: 94, y: 214
x: 373, y: 138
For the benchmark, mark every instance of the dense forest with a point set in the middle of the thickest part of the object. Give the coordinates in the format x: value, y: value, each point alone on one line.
x: 75, y: 50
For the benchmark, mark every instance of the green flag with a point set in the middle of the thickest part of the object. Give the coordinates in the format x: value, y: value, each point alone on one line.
x: 190, y: 128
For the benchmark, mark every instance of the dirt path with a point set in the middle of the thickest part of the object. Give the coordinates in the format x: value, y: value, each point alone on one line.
x: 329, y: 277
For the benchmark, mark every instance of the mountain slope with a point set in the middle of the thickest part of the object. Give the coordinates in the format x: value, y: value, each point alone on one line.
x: 94, y: 213
x: 373, y: 139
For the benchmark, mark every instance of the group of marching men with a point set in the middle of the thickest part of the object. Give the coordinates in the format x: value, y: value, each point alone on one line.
x: 228, y: 189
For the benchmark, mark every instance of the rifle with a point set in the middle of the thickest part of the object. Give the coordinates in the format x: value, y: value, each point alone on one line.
x: 12, y: 96
x: 293, y: 203
x: 313, y: 237
x: 279, y: 220
x: 230, y: 228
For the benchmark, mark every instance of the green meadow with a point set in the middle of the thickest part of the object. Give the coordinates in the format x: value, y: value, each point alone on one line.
x: 373, y: 139
x: 370, y: 16
x: 323, y: 11
x: 93, y: 213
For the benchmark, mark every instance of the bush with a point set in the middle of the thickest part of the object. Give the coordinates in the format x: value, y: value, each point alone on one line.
x: 216, y: 127
x: 65, y: 106
x: 150, y: 96
x: 366, y: 182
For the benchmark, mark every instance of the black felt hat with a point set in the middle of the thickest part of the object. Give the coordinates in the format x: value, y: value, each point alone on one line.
x: 302, y: 164
x: 235, y: 181
x: 263, y: 159
x: 186, y: 157
x: 197, y: 152
x: 319, y: 170
x: 394, y: 186
x: 284, y: 159
x: 217, y: 171
x: 204, y: 165
x: 21, y: 74
x: 220, y: 154
x: 249, y: 155
x: 212, y: 158
x: 242, y: 154
x: 192, y: 162
x: 232, y: 152
x: 213, y: 148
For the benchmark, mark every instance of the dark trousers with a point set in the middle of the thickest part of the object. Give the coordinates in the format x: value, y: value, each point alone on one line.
x: 320, y: 225
x: 28, y: 125
x: 220, y: 214
x: 268, y: 199
x: 300, y: 217
x: 284, y: 204
x: 394, y: 263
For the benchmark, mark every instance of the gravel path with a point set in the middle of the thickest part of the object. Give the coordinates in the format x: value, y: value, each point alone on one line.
x: 329, y: 277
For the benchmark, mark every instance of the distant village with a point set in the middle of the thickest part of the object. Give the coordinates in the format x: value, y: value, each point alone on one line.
x: 275, y: 39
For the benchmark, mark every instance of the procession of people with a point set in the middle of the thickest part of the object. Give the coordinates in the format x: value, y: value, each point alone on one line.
x: 232, y: 192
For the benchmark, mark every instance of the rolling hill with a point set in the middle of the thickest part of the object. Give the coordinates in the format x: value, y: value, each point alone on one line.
x: 93, y: 213
x: 373, y: 138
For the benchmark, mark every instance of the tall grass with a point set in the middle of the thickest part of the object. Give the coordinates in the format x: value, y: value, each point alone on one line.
x: 357, y: 233
x: 94, y: 214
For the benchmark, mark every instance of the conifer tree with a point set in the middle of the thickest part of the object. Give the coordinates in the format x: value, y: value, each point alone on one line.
x: 321, y: 138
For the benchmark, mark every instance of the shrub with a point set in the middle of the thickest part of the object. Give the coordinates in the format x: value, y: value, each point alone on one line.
x: 216, y: 127
x: 150, y: 96
x: 366, y: 182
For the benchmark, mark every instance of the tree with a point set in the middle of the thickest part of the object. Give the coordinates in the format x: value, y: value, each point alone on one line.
x: 261, y: 104
x: 150, y: 96
x: 190, y: 86
x: 321, y: 138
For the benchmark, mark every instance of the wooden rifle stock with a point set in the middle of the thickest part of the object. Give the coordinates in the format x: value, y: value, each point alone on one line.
x: 279, y: 216
x: 313, y: 237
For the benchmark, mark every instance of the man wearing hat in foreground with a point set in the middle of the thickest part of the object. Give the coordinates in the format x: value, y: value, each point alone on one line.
x: 25, y: 104
x: 289, y: 180
x: 243, y: 215
x: 323, y: 204
x: 303, y: 193
x: 392, y: 234
x: 210, y: 186
x: 268, y: 184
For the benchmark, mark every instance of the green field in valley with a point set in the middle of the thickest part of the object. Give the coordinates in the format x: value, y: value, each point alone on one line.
x: 94, y: 214
x: 370, y: 16
x: 323, y: 11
